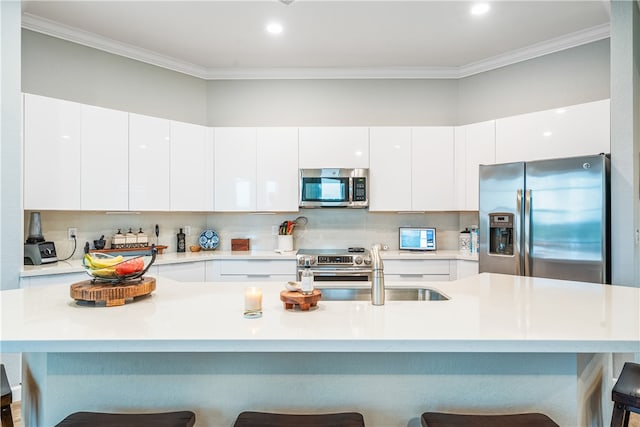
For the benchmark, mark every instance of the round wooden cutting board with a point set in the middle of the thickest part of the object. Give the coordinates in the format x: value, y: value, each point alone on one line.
x: 305, y: 302
x: 112, y: 294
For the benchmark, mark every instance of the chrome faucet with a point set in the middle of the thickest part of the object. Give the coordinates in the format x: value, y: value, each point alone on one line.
x: 377, y: 285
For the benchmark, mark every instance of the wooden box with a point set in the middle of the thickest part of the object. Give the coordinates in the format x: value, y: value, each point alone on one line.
x: 239, y: 244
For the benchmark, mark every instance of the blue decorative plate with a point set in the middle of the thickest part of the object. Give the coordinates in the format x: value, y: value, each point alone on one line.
x: 209, y: 239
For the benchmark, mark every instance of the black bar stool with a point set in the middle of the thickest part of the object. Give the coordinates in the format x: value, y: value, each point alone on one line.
x: 440, y: 419
x: 265, y: 419
x: 7, y: 398
x: 626, y: 395
x: 100, y: 419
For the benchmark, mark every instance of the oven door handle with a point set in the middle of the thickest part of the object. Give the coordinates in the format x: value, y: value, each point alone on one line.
x: 341, y: 272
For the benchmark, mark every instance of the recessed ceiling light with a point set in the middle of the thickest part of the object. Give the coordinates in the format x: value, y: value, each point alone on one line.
x: 546, y: 134
x: 480, y: 8
x: 561, y: 111
x: 274, y: 28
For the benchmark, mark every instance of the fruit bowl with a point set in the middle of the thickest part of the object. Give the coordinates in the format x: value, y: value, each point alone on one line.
x: 104, y: 268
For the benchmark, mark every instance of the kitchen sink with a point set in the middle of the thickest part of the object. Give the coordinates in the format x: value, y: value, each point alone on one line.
x: 391, y: 294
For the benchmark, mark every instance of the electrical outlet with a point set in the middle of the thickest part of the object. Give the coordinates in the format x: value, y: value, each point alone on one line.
x: 71, y: 232
x: 274, y: 230
x: 187, y: 230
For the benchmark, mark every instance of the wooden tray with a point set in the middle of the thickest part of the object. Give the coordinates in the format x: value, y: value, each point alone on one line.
x: 112, y: 295
x: 128, y: 251
x: 291, y: 299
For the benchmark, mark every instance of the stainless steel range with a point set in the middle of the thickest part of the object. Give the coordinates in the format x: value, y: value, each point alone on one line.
x: 341, y: 265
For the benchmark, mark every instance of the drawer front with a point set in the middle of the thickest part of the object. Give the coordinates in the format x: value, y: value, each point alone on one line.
x: 416, y: 266
x: 257, y: 267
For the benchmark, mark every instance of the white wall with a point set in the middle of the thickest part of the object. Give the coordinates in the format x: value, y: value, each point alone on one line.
x: 568, y: 77
x: 83, y: 74
x: 375, y: 102
x: 66, y: 70
x: 625, y: 141
x: 10, y: 161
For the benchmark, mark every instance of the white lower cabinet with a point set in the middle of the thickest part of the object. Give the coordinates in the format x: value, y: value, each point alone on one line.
x: 419, y: 270
x: 247, y: 270
x: 463, y: 268
x: 183, y: 272
x: 53, y: 279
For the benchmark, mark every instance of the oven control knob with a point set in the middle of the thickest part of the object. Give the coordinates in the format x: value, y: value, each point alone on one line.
x: 312, y: 260
x: 358, y: 260
x: 301, y: 260
x: 367, y: 261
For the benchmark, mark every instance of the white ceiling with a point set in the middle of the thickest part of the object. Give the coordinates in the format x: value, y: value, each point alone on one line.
x: 323, y: 38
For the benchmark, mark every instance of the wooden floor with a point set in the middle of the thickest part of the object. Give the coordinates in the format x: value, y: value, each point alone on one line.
x: 15, y: 413
x: 17, y: 421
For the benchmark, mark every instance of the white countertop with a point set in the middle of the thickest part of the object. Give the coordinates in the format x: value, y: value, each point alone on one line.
x: 486, y: 313
x: 75, y: 266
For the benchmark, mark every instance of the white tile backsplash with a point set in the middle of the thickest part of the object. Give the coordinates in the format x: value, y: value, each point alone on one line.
x: 326, y: 228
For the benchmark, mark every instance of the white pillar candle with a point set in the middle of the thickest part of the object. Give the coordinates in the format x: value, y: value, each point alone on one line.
x: 252, y: 300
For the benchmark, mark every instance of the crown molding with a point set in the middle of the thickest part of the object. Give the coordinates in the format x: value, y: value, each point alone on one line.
x: 332, y: 73
x: 537, y: 50
x: 64, y: 32
x: 86, y: 38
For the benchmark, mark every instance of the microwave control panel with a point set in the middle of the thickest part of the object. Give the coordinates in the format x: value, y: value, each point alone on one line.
x: 360, y: 189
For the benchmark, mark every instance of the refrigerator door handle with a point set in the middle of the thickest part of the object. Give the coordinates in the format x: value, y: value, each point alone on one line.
x: 526, y: 235
x: 517, y: 237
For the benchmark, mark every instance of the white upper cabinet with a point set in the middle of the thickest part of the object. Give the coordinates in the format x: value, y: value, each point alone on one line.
x: 334, y: 147
x: 582, y: 129
x: 432, y: 165
x: 390, y: 171
x: 191, y: 167
x: 256, y: 169
x: 411, y: 168
x: 104, y: 162
x: 277, y: 169
x: 51, y: 153
x: 235, y: 159
x: 474, y: 146
x: 149, y: 163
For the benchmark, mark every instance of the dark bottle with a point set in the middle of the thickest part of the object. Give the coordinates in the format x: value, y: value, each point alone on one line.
x: 181, y: 243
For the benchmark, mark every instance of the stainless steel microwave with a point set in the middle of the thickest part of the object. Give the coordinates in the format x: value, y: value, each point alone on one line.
x: 334, y: 188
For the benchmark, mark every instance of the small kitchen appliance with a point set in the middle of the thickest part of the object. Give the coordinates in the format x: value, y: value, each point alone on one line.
x: 547, y: 218
x: 417, y: 239
x: 336, y: 265
x: 334, y: 188
x: 36, y: 250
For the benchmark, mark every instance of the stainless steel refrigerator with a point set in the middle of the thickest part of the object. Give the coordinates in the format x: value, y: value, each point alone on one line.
x: 547, y: 218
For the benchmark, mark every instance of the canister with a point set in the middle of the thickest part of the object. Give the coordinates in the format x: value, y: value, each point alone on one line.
x: 464, y: 242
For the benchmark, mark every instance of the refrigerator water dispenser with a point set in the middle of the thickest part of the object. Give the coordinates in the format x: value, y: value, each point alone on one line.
x: 501, y: 233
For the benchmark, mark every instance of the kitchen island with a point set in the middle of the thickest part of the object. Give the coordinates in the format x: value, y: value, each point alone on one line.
x: 499, y: 344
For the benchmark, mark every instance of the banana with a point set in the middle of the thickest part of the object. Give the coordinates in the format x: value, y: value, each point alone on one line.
x: 99, y: 263
x: 108, y: 272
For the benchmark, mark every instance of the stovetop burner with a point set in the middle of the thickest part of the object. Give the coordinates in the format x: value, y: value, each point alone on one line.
x: 355, y: 250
